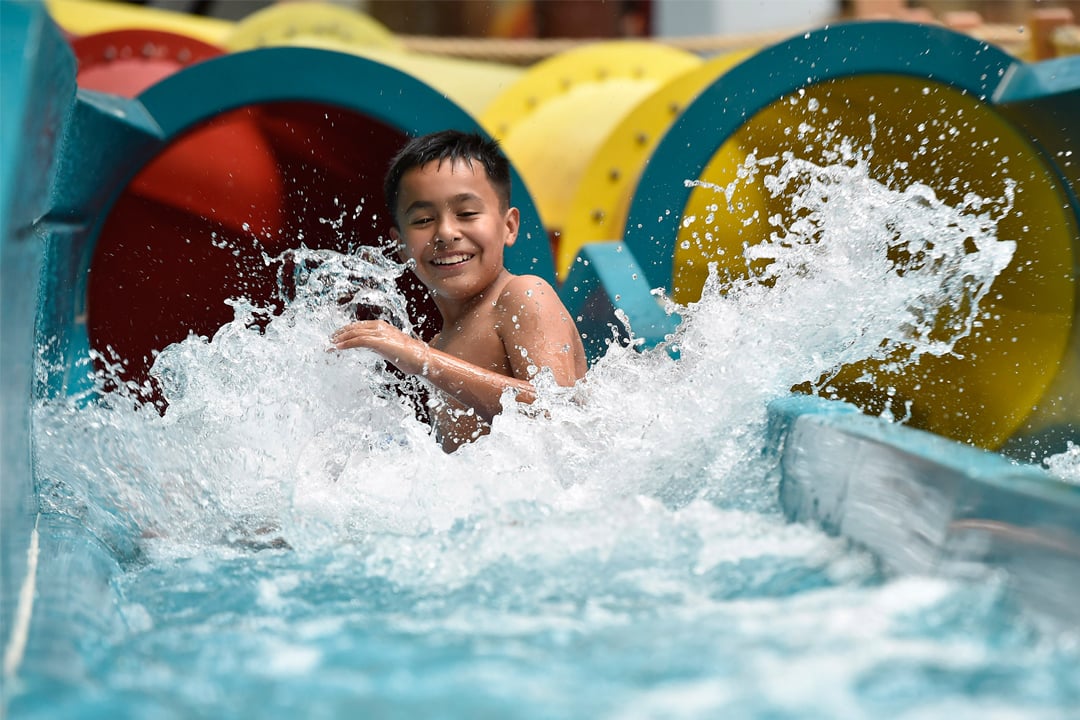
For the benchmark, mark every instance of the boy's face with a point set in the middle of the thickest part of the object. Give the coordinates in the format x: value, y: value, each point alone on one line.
x: 449, y: 222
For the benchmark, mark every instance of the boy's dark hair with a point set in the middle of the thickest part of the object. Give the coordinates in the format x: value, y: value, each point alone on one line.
x: 449, y: 145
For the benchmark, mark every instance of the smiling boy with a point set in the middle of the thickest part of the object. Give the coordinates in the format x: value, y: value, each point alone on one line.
x: 449, y: 195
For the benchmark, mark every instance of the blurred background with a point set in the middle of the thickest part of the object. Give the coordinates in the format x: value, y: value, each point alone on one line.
x: 582, y: 121
x: 638, y: 18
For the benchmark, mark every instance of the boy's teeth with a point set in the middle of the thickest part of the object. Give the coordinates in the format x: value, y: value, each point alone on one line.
x: 451, y: 259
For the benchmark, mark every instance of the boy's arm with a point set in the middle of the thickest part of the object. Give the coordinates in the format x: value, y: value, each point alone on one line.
x: 470, y: 384
x: 536, y: 331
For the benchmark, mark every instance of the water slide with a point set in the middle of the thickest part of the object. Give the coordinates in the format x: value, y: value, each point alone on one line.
x: 137, y: 199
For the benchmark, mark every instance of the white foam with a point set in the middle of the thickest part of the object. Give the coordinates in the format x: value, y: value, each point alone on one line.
x: 267, y: 435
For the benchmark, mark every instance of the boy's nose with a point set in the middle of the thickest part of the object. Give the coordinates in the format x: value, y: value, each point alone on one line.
x: 446, y: 231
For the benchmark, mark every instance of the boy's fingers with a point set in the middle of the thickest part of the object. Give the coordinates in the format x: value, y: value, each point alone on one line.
x: 358, y: 334
x: 341, y: 331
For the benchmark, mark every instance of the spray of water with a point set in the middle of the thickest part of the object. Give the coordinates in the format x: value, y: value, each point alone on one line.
x: 1066, y: 465
x: 268, y: 437
x: 623, y: 534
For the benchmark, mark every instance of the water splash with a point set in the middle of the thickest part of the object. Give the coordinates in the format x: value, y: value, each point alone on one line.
x: 1066, y: 465
x: 638, y: 499
x: 268, y: 432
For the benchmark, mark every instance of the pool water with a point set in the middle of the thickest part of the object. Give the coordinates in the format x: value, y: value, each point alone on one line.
x: 696, y: 613
x: 292, y: 542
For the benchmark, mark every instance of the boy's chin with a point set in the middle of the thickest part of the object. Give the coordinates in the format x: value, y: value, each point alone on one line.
x: 450, y: 293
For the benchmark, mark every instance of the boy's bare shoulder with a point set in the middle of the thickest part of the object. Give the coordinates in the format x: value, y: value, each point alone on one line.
x: 530, y: 300
x: 524, y: 287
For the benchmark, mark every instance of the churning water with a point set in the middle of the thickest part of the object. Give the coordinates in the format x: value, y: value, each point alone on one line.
x: 617, y: 550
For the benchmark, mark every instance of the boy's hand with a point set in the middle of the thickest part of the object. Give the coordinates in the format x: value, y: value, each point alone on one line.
x: 407, y: 353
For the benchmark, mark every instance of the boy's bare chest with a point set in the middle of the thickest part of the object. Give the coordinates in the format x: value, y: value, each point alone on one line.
x: 475, y: 339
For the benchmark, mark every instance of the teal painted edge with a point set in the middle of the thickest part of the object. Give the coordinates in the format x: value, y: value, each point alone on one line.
x: 850, y: 49
x: 106, y: 137
x: 347, y: 81
x: 77, y: 607
x: 1043, y: 99
x: 606, y: 277
x: 926, y: 504
x: 975, y: 463
x: 1060, y: 76
x: 110, y: 139
x: 37, y: 76
x: 38, y: 71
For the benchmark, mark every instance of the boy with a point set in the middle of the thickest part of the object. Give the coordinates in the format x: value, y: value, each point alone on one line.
x: 449, y: 196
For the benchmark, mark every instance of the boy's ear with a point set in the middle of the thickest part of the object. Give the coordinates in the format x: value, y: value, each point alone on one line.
x: 399, y: 247
x: 513, y: 222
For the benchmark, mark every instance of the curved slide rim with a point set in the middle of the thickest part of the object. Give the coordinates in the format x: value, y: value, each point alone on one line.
x: 350, y: 82
x: 721, y: 109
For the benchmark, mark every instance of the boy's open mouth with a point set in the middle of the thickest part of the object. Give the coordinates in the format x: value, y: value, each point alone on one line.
x: 455, y: 259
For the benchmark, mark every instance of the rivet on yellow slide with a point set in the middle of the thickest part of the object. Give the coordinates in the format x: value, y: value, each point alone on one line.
x: 88, y: 17
x: 551, y: 121
x: 599, y: 206
x: 298, y: 23
x: 471, y: 84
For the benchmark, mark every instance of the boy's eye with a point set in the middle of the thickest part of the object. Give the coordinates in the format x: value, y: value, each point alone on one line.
x: 420, y: 221
x: 468, y: 213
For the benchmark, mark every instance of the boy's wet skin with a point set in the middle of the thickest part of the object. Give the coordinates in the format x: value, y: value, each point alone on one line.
x: 452, y: 224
